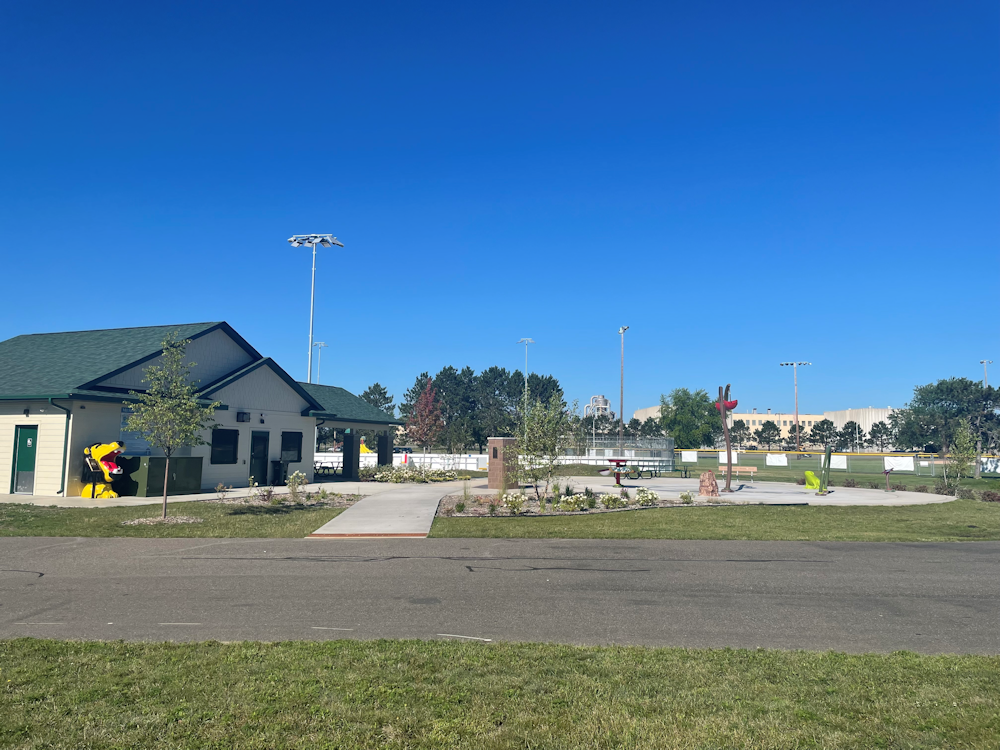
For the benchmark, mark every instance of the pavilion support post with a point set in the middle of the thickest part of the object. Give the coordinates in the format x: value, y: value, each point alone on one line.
x: 385, y: 448
x: 352, y: 455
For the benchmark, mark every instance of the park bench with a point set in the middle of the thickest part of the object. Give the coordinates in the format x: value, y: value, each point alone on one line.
x: 737, y: 470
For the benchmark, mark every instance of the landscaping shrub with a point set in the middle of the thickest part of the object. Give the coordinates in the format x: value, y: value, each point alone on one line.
x: 514, y: 503
x: 295, y: 482
x: 964, y: 493
x: 943, y: 489
x: 611, y: 501
x: 460, y: 507
x: 493, y: 509
x: 800, y: 480
x: 989, y: 496
x: 899, y: 488
x: 591, y: 500
x: 850, y: 482
x: 687, y: 498
x: 646, y: 497
x: 405, y: 473
x: 921, y: 488
x: 874, y: 485
x: 573, y: 503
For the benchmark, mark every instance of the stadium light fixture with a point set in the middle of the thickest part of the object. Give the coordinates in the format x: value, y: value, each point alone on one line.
x: 325, y: 240
x: 795, y: 369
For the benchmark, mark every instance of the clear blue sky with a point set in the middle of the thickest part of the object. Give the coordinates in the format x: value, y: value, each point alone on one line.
x: 741, y: 183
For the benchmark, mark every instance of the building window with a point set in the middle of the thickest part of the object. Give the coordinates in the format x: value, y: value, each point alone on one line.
x: 810, y: 424
x: 291, y: 447
x: 225, y: 445
x: 785, y: 423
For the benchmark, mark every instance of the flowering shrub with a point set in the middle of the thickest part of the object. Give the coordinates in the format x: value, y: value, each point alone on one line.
x: 687, y: 498
x: 572, y: 503
x: 514, y: 503
x: 646, y: 497
x: 613, y: 501
x: 407, y: 473
x: 295, y: 482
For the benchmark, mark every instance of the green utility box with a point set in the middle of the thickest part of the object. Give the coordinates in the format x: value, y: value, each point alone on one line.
x: 142, y: 476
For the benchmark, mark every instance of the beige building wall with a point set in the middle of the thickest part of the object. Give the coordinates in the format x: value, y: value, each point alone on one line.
x: 51, y: 423
x: 784, y: 421
x: 643, y: 414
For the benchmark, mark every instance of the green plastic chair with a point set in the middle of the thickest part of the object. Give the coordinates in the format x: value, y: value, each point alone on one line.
x: 812, y: 481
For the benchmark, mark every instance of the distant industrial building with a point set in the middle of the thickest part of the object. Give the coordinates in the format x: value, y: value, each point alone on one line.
x: 865, y: 418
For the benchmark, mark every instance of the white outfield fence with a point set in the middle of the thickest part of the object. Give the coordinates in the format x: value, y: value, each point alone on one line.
x: 332, y: 462
x: 449, y: 461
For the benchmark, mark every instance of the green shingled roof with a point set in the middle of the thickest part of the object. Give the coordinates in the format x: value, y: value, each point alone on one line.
x: 346, y: 406
x: 56, y: 364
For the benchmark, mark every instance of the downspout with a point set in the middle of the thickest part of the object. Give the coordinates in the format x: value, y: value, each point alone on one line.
x: 62, y: 474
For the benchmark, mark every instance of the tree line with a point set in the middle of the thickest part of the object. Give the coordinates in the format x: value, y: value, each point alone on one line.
x: 458, y: 409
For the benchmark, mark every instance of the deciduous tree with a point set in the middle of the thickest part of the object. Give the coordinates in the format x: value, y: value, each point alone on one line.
x: 690, y: 418
x: 169, y: 413
x: 740, y: 433
x: 424, y: 424
x: 881, y: 436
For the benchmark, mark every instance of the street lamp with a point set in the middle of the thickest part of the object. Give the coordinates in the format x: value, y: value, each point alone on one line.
x: 526, y: 342
x: 326, y: 240
x: 984, y: 362
x: 621, y: 395
x: 320, y: 346
x: 795, y: 370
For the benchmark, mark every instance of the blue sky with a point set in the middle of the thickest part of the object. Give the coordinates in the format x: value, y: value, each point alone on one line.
x: 741, y: 184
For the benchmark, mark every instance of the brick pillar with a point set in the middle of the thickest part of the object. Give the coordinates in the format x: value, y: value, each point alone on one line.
x: 385, y: 449
x: 352, y: 455
x: 498, y: 466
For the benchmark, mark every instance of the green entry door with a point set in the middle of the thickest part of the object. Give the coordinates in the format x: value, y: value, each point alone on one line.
x: 25, y: 447
x: 258, y: 456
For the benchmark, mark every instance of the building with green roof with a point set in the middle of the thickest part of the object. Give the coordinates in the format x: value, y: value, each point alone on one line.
x: 61, y: 392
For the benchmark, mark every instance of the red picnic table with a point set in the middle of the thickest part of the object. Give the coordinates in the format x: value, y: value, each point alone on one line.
x: 618, y: 462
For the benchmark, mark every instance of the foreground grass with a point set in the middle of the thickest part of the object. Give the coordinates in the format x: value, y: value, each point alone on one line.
x: 959, y: 520
x: 219, y: 520
x: 412, y: 694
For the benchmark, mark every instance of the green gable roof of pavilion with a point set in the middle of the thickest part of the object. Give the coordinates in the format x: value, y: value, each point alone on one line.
x: 344, y: 406
x: 44, y: 365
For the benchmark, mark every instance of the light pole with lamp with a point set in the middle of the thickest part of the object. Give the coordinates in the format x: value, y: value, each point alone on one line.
x: 320, y: 346
x: 326, y: 240
x: 984, y: 362
x: 526, y: 342
x: 621, y: 395
x: 795, y: 371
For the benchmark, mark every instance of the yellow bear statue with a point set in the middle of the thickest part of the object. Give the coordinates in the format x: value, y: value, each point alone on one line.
x: 100, y: 468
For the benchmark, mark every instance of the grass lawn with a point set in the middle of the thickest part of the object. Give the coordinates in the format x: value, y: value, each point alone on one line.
x: 960, y: 520
x: 412, y: 694
x: 220, y: 520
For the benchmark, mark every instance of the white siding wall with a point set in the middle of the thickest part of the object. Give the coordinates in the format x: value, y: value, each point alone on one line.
x: 214, y: 354
x: 93, y: 422
x: 267, y: 397
x: 865, y: 417
x: 51, y: 423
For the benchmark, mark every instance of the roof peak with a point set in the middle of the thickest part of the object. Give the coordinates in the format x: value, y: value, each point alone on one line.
x: 125, y: 328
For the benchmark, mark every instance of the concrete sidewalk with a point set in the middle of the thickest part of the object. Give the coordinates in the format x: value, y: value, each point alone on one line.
x: 404, y: 510
x: 340, y: 487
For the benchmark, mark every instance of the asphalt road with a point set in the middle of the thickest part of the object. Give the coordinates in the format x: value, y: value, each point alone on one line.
x: 815, y: 595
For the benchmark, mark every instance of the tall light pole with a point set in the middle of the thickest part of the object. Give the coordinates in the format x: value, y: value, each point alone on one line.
x: 326, y: 240
x: 621, y: 396
x: 984, y: 362
x: 320, y: 346
x: 795, y: 370
x: 526, y: 342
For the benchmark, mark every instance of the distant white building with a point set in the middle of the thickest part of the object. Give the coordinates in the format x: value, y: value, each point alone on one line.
x: 643, y: 414
x: 865, y: 417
